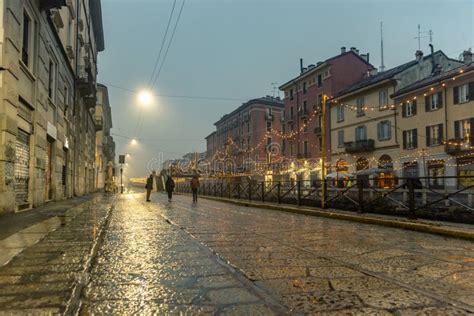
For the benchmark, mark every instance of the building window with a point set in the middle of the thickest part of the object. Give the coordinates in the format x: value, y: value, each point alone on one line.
x: 269, y: 112
x: 340, y: 138
x: 291, y: 149
x: 291, y: 127
x: 384, y: 130
x: 305, y: 108
x: 409, y: 108
x: 291, y: 112
x: 463, y: 130
x: 461, y: 93
x: 304, y: 87
x: 340, y: 112
x: 25, y: 50
x: 360, y: 106
x: 434, y: 135
x: 434, y: 101
x: 269, y: 143
x: 248, y: 128
x: 269, y: 126
x: 305, y: 126
x: 291, y: 94
x: 320, y: 144
x: 436, y: 173
x: 383, y: 99
x: 283, y: 145
x: 361, y: 133
x: 51, y: 80
x: 410, y: 139
x: 305, y: 148
x: 320, y: 80
x: 410, y: 169
x: 320, y: 100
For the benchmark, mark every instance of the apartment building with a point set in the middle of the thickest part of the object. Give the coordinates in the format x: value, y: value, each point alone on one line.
x: 436, y: 123
x: 302, y: 120
x: 104, y: 143
x: 243, y: 140
x: 364, y: 121
x: 49, y: 57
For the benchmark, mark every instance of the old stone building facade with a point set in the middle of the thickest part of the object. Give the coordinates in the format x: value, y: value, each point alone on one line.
x: 49, y: 54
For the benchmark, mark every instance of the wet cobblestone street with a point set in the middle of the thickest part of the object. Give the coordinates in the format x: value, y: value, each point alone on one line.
x: 123, y: 255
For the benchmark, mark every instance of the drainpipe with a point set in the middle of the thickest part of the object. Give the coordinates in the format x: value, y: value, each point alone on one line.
x: 74, y: 164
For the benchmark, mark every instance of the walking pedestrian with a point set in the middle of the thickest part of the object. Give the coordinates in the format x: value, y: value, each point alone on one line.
x: 149, y: 187
x: 169, y: 187
x: 194, y: 187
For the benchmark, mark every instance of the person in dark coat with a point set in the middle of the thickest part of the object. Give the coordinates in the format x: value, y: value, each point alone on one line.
x: 169, y: 186
x: 194, y: 187
x: 149, y: 187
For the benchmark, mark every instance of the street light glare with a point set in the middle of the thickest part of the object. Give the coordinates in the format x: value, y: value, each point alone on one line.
x: 134, y: 141
x: 145, y: 97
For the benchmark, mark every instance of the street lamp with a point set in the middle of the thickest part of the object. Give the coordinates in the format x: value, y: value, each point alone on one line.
x: 133, y: 141
x: 145, y: 97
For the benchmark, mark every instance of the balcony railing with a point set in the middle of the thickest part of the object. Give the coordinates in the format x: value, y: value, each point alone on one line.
x: 458, y: 146
x: 359, y: 146
x: 318, y: 130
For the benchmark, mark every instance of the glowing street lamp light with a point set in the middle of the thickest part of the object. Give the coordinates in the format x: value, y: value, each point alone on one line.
x: 145, y: 97
x: 134, y: 141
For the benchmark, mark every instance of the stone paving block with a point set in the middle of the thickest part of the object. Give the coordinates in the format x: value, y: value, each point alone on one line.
x: 431, y: 311
x: 334, y: 272
x: 361, y: 283
x: 215, y: 281
x: 247, y: 309
x: 35, y: 288
x: 295, y: 285
x: 265, y: 273
x: 322, y: 301
x: 231, y: 296
x: 364, y: 311
x: 395, y: 298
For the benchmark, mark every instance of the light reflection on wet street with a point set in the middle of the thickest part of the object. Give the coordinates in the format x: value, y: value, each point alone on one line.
x: 216, y: 258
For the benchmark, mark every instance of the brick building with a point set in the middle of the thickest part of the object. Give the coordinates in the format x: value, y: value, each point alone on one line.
x: 303, y: 104
x: 243, y: 140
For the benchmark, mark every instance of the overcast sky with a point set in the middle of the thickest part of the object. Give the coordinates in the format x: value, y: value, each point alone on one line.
x: 236, y: 49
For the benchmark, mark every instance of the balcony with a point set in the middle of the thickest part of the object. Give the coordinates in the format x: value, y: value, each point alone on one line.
x: 99, y: 123
x: 269, y: 117
x: 290, y: 118
x: 85, y: 81
x: 303, y: 113
x: 89, y: 102
x: 51, y: 4
x: 458, y: 146
x: 359, y: 146
x: 318, y: 130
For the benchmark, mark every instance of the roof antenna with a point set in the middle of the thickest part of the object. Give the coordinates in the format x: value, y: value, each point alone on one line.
x: 382, y: 66
x: 274, y: 89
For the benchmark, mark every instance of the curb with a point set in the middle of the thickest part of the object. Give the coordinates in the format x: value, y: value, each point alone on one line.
x: 402, y: 224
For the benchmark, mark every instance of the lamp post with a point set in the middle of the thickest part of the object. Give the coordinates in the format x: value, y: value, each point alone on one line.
x: 323, y: 158
x: 121, y: 162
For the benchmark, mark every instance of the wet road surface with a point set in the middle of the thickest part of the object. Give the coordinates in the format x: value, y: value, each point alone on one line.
x: 127, y: 256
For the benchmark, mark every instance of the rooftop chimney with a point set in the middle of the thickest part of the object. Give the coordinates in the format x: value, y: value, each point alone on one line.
x: 365, y: 57
x: 467, y: 56
x: 419, y: 55
x: 343, y: 49
x: 301, y: 65
x: 353, y: 49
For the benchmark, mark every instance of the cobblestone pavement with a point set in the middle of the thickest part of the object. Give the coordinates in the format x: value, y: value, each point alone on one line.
x: 216, y: 258
x: 331, y: 267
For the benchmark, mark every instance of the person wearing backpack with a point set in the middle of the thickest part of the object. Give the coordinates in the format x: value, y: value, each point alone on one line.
x: 169, y: 186
x: 149, y: 187
x: 194, y: 187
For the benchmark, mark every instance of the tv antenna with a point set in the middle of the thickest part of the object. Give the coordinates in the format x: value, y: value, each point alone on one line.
x: 423, y: 34
x: 274, y: 89
x: 382, y: 66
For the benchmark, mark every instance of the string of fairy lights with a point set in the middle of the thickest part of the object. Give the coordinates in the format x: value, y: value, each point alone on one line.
x: 222, y: 152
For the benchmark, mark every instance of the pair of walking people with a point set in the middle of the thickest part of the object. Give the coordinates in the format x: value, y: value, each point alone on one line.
x: 169, y: 187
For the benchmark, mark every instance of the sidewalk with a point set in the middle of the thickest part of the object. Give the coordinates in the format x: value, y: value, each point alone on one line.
x: 448, y: 229
x: 12, y: 223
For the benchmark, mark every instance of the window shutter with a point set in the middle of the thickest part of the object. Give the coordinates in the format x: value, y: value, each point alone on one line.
x: 440, y: 134
x: 427, y: 103
x: 471, y: 92
x: 428, y: 136
x: 404, y: 139
x: 389, y: 130
x: 456, y: 95
x: 415, y: 138
x: 379, y: 131
x: 404, y: 110
x: 471, y: 132
x: 457, y: 131
x: 414, y: 107
x: 440, y: 100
